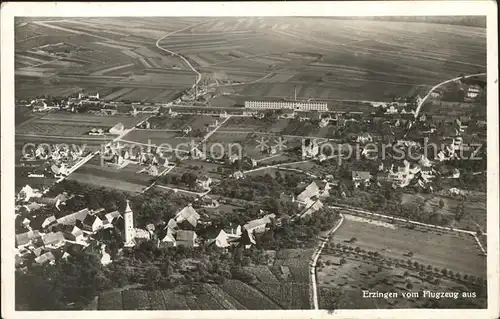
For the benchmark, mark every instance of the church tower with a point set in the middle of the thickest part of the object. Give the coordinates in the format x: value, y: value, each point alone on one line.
x: 128, y: 217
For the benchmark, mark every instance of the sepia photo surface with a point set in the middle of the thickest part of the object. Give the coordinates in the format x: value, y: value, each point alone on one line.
x: 234, y: 162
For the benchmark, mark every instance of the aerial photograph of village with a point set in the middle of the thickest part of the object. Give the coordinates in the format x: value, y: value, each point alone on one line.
x: 250, y: 163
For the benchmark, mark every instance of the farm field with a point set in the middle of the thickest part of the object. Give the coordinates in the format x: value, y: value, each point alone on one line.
x: 438, y: 249
x: 88, y: 144
x: 151, y: 137
x: 324, y: 58
x: 182, y: 121
x: 73, y: 125
x: 99, y: 181
x: 248, y: 124
x: 231, y: 295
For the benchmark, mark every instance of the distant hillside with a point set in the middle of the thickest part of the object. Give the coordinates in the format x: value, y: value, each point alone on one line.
x: 470, y: 21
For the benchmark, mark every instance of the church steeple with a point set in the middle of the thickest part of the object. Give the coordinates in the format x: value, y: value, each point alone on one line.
x: 128, y: 216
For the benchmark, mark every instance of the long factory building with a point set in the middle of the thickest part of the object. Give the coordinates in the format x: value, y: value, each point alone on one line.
x: 294, y: 105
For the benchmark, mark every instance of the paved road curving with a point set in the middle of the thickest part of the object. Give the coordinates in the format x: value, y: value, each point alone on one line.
x: 198, y: 74
x: 315, y: 258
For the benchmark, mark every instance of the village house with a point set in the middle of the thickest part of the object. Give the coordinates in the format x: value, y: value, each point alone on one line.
x: 221, y: 240
x: 424, y: 161
x: 402, y: 175
x: 364, y: 138
x: 187, y: 238
x: 174, y: 238
x: 324, y: 121
x: 46, y: 258
x: 26, y: 239
x: 310, y: 148
x: 391, y: 109
x: 42, y: 222
x: 228, y: 236
x: 311, y: 208
x: 74, y: 218
x: 141, y: 235
x: 233, y: 158
x: 53, y: 240
x: 187, y: 215
x: 96, y: 131
x: 187, y: 129
x: 382, y: 178
x: 209, y: 202
x: 310, y: 191
x: 319, y: 188
x: 436, y: 94
x: 27, y: 193
x: 359, y: 177
x: 117, y: 129
x: 204, y: 182
x: 259, y: 225
x: 75, y: 234
x: 113, y: 217
x: 473, y: 91
x: 92, y: 223
x: 238, y: 175
x: 455, y: 191
x: 169, y: 239
x: 287, y: 114
x: 151, y: 170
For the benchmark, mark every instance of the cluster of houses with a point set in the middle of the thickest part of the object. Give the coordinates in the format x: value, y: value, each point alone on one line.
x: 400, y: 174
x: 42, y: 238
x: 51, y: 160
x: 119, y: 156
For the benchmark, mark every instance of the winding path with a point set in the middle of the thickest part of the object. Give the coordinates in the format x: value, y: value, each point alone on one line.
x: 438, y: 85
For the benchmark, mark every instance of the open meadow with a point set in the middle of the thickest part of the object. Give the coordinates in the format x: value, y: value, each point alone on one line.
x: 257, y: 57
x: 442, y: 249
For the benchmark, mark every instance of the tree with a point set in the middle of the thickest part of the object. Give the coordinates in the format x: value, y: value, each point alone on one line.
x: 441, y: 203
x: 152, y: 277
x: 444, y: 271
x: 409, y: 285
